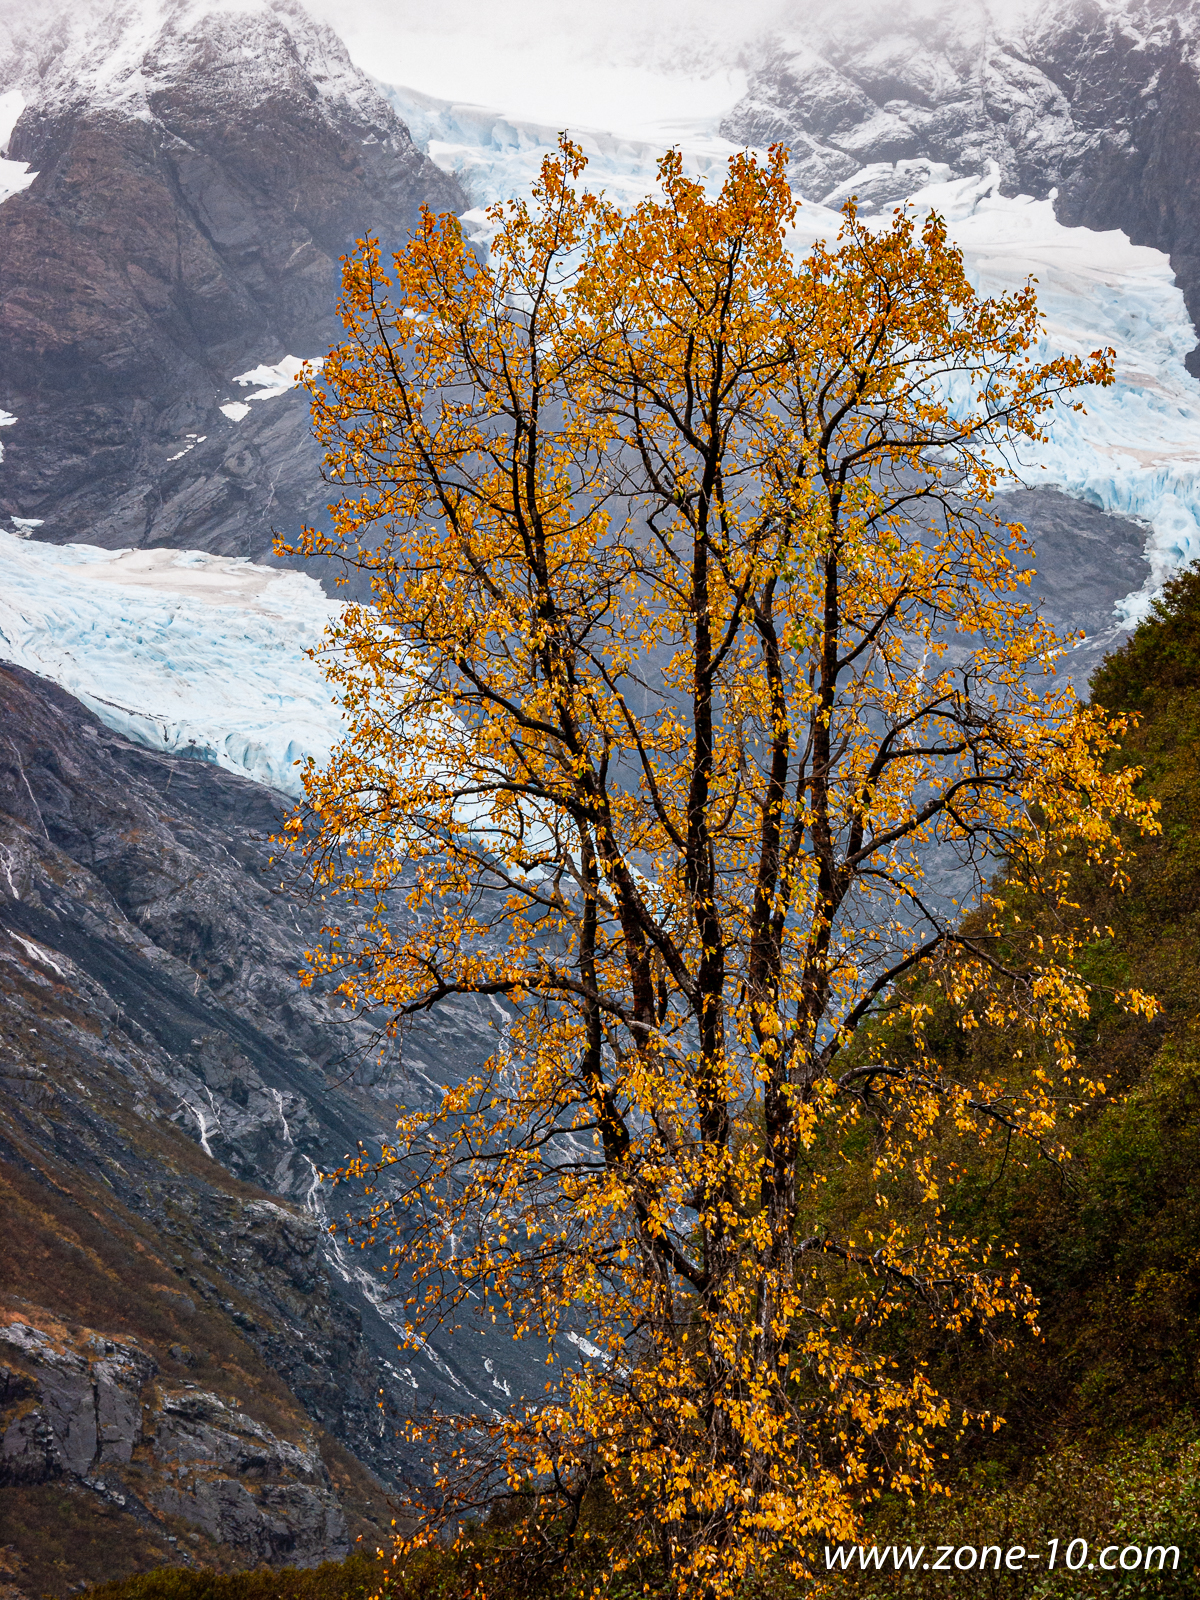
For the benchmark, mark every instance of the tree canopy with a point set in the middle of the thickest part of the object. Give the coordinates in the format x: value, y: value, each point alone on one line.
x: 697, y: 658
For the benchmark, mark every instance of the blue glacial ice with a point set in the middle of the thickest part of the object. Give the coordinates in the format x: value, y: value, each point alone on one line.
x: 1135, y: 449
x: 188, y: 653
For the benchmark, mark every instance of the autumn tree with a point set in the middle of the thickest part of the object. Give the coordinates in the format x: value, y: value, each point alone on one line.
x: 698, y: 674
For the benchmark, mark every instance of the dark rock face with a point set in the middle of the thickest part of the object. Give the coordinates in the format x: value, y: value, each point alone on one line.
x: 199, y: 1459
x: 1135, y: 160
x: 168, y: 1096
x: 185, y: 226
x: 1085, y: 560
x: 151, y: 1011
x: 1099, y: 103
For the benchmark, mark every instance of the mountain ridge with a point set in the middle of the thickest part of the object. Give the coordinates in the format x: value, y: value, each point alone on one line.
x: 190, y: 206
x: 1096, y: 105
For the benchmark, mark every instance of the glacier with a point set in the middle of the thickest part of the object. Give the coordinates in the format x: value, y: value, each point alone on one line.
x: 1135, y: 448
x: 192, y: 654
x: 1133, y: 452
x: 206, y: 655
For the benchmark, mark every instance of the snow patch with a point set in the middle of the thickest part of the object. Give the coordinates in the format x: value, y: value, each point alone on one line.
x: 193, y: 440
x: 882, y: 182
x: 36, y: 953
x: 284, y: 375
x: 12, y: 103
x: 14, y: 175
x: 586, y: 1347
x: 276, y: 380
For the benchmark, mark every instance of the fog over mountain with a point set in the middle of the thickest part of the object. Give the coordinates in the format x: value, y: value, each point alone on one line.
x: 177, y: 185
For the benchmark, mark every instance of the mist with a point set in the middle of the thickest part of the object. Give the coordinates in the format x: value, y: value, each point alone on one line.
x: 639, y: 68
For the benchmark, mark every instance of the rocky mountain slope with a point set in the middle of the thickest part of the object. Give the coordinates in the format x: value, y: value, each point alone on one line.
x: 198, y: 177
x: 1097, y: 101
x: 182, y: 1341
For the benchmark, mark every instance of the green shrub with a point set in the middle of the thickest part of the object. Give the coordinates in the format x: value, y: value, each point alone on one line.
x: 1143, y: 1494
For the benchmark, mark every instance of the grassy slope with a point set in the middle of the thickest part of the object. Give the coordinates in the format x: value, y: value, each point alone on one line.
x: 1112, y: 1243
x: 1102, y: 1412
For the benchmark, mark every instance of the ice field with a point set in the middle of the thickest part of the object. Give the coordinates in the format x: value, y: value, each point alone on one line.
x: 193, y: 654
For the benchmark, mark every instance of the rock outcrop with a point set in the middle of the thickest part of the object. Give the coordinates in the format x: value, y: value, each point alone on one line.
x: 89, y: 1408
x: 1097, y: 103
x: 197, y: 180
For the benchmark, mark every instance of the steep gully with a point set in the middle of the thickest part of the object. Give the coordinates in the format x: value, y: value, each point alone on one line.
x: 168, y: 1095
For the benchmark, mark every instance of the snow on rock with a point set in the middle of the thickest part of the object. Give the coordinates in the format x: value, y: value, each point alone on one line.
x: 184, y: 652
x: 116, y: 55
x: 14, y: 175
x: 844, y: 83
x: 276, y: 380
x: 12, y: 103
x: 284, y: 375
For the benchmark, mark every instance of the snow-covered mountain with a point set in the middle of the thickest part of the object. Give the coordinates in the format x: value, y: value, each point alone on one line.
x: 242, y: 147
x: 1093, y: 102
x: 199, y: 170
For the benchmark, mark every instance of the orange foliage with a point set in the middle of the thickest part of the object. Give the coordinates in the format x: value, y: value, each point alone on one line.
x: 693, y: 643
